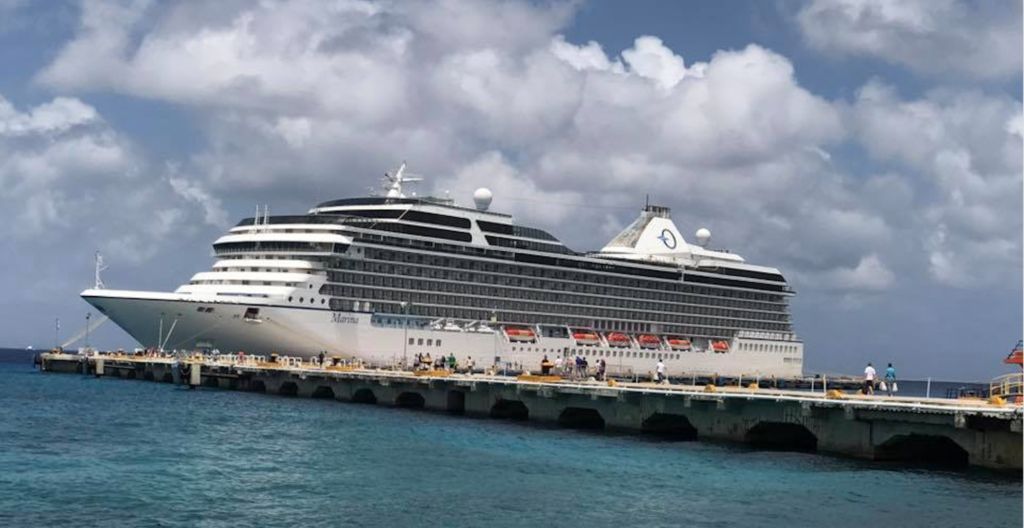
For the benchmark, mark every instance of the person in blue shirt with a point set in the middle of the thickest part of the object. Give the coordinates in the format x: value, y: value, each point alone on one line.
x: 890, y: 379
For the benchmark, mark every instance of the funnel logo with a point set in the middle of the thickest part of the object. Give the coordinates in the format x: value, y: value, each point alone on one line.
x: 668, y: 239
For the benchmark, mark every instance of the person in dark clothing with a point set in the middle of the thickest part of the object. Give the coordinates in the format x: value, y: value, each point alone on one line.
x: 545, y: 366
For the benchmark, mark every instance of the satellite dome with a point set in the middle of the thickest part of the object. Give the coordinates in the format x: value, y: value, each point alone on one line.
x: 483, y: 197
x: 703, y: 236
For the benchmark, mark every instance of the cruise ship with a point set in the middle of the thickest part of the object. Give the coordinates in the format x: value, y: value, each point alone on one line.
x: 382, y: 279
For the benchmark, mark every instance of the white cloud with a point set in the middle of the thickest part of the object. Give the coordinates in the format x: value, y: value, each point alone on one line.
x: 870, y: 274
x: 651, y: 59
x: 193, y: 192
x: 305, y: 96
x: 57, y: 116
x: 586, y: 57
x: 975, y: 39
x: 70, y: 184
x: 964, y: 150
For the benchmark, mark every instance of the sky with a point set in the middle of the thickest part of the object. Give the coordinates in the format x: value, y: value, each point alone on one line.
x: 869, y: 149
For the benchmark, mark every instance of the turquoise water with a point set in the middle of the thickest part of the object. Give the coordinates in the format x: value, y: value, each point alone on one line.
x: 79, y: 451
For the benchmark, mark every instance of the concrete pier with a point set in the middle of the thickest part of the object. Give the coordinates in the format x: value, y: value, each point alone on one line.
x: 952, y: 432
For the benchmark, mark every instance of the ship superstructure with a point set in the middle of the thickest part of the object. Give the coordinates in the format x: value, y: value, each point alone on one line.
x: 384, y: 278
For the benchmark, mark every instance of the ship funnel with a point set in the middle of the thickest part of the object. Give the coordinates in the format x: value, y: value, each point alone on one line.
x: 652, y: 234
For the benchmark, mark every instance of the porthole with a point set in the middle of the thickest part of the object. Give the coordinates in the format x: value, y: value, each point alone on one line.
x: 290, y: 299
x: 312, y: 300
x: 322, y: 301
x: 302, y: 299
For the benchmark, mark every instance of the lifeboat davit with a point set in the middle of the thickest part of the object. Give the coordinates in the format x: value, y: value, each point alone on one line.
x: 649, y: 341
x: 520, y: 334
x: 720, y: 346
x: 676, y: 343
x: 618, y: 339
x: 583, y: 337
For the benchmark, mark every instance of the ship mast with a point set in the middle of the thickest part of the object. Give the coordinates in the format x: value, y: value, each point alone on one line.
x: 393, y: 184
x: 99, y: 268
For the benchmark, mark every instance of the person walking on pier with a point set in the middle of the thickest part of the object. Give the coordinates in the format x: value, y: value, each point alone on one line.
x: 545, y: 366
x: 890, y: 380
x: 660, y: 370
x: 558, y: 365
x: 321, y: 358
x: 869, y: 379
x: 601, y: 368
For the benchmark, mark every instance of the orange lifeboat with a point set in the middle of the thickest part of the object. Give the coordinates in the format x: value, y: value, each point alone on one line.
x: 520, y: 334
x: 649, y: 341
x: 720, y: 346
x: 618, y: 339
x: 676, y: 343
x: 584, y: 337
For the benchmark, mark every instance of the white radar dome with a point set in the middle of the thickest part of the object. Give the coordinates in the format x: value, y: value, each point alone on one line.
x: 483, y: 197
x: 703, y: 236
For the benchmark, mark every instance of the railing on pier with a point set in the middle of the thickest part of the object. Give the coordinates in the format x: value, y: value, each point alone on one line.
x: 1007, y: 385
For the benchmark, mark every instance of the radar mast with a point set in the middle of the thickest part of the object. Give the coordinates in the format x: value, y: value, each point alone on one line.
x: 393, y: 184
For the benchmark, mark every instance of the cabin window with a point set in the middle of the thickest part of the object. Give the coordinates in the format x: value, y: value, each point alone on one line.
x: 412, y: 340
x: 419, y: 341
x: 438, y: 342
x: 430, y: 342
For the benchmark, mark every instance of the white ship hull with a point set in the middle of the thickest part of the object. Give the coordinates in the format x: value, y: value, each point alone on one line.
x: 185, y: 322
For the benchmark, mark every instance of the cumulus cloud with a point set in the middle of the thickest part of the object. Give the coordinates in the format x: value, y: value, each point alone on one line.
x: 869, y: 275
x: 194, y: 192
x: 964, y: 151
x: 57, y: 116
x: 71, y: 184
x: 974, y: 39
x: 301, y: 96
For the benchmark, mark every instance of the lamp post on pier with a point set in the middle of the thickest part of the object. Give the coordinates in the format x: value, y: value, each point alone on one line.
x: 405, y: 334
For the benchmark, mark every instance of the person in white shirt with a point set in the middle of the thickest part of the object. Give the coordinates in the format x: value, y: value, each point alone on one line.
x: 869, y: 379
x: 661, y: 371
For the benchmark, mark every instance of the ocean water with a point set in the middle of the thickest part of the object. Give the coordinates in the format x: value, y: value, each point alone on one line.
x: 80, y: 451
